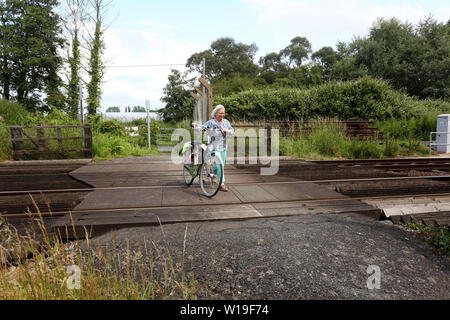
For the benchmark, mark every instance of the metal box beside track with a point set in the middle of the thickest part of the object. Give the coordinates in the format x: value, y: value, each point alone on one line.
x: 443, y: 133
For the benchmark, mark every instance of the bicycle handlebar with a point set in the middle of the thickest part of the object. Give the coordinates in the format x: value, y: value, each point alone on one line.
x: 208, y: 129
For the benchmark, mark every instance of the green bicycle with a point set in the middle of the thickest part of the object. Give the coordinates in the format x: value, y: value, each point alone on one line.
x: 206, y: 164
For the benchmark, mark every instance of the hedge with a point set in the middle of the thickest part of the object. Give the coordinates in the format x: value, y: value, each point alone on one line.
x: 366, y: 98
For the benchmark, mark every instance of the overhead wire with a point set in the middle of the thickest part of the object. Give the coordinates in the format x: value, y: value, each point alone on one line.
x: 147, y: 65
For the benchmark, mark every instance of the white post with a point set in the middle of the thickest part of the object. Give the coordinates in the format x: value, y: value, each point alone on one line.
x: 204, y: 97
x: 147, y: 105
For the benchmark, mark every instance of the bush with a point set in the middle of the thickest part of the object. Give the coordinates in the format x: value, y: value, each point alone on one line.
x: 414, y: 128
x: 438, y: 237
x: 58, y: 118
x: 363, y: 150
x: 366, y: 98
x: 14, y: 113
x: 328, y: 140
x: 391, y: 148
x: 5, y: 142
x: 112, y: 127
x: 143, y: 133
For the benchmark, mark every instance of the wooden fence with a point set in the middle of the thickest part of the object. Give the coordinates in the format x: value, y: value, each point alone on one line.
x: 362, y: 130
x: 40, y: 142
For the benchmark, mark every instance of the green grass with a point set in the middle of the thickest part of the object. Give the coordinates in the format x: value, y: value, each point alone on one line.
x: 149, y: 272
x: 437, y: 237
x: 413, y: 128
x: 106, y: 147
x: 329, y: 141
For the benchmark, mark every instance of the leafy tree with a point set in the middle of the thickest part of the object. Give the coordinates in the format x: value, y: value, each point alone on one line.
x: 74, y: 82
x: 30, y: 36
x: 326, y: 57
x: 285, y: 69
x: 113, y: 109
x: 95, y: 61
x: 297, y: 51
x: 412, y: 58
x: 139, y: 109
x: 272, y: 62
x: 237, y: 83
x: 73, y: 24
x: 224, y: 59
x: 6, y: 33
x: 178, y: 102
x: 347, y: 68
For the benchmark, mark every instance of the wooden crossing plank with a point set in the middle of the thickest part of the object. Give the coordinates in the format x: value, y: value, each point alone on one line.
x: 300, y: 191
x: 193, y: 195
x: 124, y: 198
x: 99, y: 222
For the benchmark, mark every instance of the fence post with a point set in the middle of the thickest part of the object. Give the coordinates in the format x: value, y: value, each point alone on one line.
x: 269, y: 138
x: 60, y: 144
x: 16, y: 133
x: 41, y: 143
x: 88, y: 141
x: 431, y: 137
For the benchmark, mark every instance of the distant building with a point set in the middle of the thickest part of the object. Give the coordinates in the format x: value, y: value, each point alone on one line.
x: 128, y: 113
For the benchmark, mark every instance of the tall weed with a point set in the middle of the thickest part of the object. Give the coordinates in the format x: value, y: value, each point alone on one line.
x: 329, y: 141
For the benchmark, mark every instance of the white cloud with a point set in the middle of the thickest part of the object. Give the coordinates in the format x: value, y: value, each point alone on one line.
x: 324, y: 22
x: 129, y: 47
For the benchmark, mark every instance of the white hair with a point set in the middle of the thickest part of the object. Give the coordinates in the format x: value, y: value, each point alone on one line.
x: 217, y: 108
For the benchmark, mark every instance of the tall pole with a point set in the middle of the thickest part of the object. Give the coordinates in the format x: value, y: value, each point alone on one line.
x: 147, y: 105
x: 204, y: 67
x: 205, y: 108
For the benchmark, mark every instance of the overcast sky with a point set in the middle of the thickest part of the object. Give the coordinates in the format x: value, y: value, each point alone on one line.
x: 149, y: 32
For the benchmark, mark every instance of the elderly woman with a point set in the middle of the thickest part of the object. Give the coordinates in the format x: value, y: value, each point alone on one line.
x: 218, y: 121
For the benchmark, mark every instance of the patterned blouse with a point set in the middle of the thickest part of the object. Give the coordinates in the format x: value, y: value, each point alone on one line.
x: 219, y: 141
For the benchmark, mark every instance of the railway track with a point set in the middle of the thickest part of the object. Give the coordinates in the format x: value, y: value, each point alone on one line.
x: 392, y: 164
x: 62, y: 192
x: 131, y: 208
x: 348, y: 187
x: 87, y: 189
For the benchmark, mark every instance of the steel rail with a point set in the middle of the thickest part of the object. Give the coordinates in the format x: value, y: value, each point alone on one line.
x: 343, y: 199
x: 371, y: 161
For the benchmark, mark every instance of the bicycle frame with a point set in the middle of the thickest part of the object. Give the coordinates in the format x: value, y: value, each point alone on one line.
x: 207, y: 151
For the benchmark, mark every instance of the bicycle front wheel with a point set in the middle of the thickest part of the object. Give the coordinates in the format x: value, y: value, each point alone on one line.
x: 211, y: 174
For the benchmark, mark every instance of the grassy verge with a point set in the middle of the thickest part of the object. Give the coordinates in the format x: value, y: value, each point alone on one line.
x: 437, y: 237
x: 107, y: 147
x: 61, y: 270
x: 330, y: 142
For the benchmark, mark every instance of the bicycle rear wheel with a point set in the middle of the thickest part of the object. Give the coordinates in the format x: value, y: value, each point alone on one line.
x: 189, y: 173
x: 211, y: 173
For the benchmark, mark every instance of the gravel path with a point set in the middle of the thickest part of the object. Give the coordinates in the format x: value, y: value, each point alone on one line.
x: 324, y: 256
